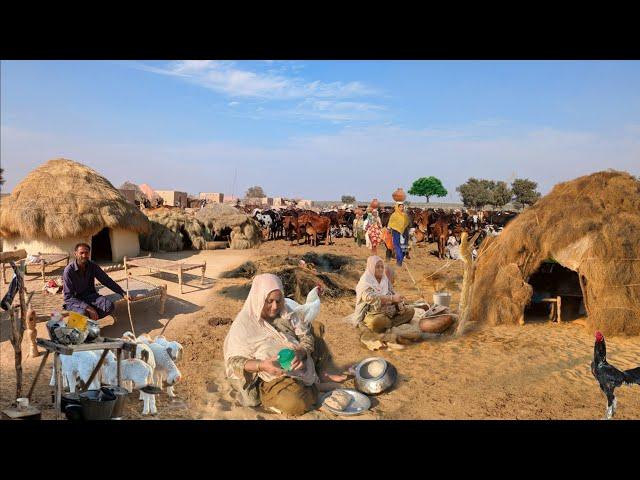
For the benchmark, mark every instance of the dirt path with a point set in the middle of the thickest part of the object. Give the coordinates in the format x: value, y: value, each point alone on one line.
x: 538, y: 371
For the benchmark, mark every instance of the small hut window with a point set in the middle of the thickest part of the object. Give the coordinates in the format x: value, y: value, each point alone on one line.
x: 551, y: 281
x: 101, y: 246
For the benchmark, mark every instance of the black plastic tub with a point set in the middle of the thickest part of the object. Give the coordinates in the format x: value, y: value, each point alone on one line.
x: 97, y: 404
x: 69, y: 399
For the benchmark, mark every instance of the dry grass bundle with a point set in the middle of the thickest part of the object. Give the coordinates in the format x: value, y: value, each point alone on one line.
x: 170, y: 228
x: 245, y: 231
x: 62, y: 198
x: 590, y: 225
x: 246, y: 270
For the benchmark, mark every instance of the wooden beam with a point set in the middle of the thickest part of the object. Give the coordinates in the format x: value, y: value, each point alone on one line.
x: 13, y: 256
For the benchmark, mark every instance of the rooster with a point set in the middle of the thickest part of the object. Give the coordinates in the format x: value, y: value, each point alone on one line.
x: 302, y: 315
x: 608, y: 376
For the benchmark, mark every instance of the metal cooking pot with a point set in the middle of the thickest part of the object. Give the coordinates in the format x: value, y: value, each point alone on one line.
x: 374, y: 375
x: 93, y: 330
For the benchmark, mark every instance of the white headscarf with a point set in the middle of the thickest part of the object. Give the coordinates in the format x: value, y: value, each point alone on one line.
x: 369, y: 280
x: 251, y: 337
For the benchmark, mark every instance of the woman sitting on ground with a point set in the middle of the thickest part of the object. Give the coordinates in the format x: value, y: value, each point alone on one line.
x: 263, y: 328
x: 379, y: 308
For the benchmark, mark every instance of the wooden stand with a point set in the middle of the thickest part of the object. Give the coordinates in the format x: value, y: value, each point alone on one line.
x: 57, y: 349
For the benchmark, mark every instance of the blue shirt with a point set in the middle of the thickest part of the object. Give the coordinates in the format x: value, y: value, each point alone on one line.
x: 79, y: 285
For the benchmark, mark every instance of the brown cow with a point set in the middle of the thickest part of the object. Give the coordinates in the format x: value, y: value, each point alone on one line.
x: 440, y: 234
x: 318, y: 223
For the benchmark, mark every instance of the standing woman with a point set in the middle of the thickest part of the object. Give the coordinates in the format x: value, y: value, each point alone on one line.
x: 374, y: 231
x: 399, y: 223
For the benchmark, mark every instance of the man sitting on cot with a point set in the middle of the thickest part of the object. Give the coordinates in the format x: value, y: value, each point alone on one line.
x: 263, y: 328
x: 80, y: 293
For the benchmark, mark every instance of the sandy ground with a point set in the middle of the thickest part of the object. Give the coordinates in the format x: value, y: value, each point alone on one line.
x: 537, y: 371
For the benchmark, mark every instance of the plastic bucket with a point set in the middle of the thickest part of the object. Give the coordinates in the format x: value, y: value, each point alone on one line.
x: 121, y: 398
x: 69, y: 399
x: 443, y: 299
x: 97, y: 404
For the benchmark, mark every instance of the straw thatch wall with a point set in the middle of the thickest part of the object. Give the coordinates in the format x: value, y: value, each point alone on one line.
x: 166, y: 226
x: 590, y: 225
x: 62, y: 199
x: 245, y: 231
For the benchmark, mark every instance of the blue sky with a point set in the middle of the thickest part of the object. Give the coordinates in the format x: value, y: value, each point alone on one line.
x: 321, y: 129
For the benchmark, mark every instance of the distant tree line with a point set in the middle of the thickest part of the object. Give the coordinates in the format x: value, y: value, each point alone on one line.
x: 478, y: 192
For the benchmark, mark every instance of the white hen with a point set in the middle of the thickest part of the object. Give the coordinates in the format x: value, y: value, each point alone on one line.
x: 302, y: 315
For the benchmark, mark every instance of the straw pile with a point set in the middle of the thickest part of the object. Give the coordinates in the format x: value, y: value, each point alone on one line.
x: 171, y: 230
x: 590, y: 225
x: 244, y: 231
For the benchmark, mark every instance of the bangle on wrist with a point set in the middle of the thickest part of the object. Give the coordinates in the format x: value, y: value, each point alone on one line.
x: 258, y: 366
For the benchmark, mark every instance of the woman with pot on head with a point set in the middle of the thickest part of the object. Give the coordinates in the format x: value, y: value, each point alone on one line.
x: 259, y: 332
x: 399, y: 225
x: 374, y: 230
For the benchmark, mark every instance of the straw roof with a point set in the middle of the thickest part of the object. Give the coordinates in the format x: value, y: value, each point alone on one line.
x: 62, y: 198
x: 590, y: 225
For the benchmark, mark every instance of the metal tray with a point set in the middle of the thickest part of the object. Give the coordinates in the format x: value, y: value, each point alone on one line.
x: 358, y: 405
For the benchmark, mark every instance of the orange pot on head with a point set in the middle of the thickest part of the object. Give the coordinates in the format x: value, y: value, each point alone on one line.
x: 399, y: 195
x: 374, y: 204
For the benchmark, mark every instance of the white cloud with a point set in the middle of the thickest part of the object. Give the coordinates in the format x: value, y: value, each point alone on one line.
x: 233, y: 104
x: 227, y: 78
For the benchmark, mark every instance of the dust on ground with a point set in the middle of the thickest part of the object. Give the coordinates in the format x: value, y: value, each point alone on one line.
x: 536, y: 371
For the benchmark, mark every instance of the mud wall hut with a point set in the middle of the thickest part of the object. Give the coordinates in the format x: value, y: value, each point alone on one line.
x: 63, y: 202
x: 590, y: 226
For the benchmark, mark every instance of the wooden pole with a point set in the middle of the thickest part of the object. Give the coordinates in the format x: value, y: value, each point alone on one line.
x: 35, y: 380
x: 467, y: 281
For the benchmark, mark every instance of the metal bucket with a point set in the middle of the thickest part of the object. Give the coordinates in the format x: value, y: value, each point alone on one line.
x: 443, y: 299
x: 121, y: 399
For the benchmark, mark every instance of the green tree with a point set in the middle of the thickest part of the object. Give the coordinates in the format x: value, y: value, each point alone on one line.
x: 255, y: 192
x: 428, y: 187
x: 476, y: 192
x: 524, y: 192
x: 501, y: 194
x: 348, y: 199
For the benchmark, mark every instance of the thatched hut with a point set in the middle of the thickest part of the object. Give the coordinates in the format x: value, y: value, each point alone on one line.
x: 587, y: 231
x: 225, y: 221
x: 172, y: 229
x: 63, y: 202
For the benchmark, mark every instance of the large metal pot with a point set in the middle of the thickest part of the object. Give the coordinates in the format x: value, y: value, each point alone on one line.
x: 374, y: 375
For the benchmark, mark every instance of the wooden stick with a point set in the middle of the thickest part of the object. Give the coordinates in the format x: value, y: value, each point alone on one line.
x: 35, y: 380
x: 95, y: 370
x: 129, y: 308
x: 422, y: 296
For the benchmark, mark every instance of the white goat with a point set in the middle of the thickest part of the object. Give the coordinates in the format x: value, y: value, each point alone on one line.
x: 79, y: 366
x: 165, y: 367
x: 136, y: 371
x: 143, y: 352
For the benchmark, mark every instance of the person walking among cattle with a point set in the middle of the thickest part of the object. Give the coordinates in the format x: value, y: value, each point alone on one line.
x: 374, y: 230
x: 80, y: 293
x: 399, y: 225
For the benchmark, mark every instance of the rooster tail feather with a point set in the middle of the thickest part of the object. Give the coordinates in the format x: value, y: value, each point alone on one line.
x: 632, y: 375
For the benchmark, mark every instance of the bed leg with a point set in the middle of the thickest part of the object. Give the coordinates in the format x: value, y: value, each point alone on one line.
x: 203, y: 270
x: 163, y: 298
x: 180, y: 278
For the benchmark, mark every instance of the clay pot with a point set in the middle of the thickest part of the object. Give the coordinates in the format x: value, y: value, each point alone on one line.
x: 374, y: 204
x: 436, y: 324
x: 399, y: 195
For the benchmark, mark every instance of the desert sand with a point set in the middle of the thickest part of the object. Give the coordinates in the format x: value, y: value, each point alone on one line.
x: 536, y: 371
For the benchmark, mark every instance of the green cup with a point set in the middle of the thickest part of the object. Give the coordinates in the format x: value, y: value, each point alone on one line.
x: 285, y: 357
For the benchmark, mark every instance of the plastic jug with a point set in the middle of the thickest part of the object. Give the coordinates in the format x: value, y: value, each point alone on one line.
x: 285, y: 357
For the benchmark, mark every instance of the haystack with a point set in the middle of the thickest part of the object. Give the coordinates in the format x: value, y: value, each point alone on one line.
x: 63, y: 202
x: 590, y: 225
x: 244, y: 231
x: 173, y: 229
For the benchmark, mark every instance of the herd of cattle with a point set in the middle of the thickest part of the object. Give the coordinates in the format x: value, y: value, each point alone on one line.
x: 427, y: 225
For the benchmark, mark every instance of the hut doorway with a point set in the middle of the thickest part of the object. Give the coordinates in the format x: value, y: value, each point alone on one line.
x: 552, y: 281
x: 187, y: 244
x: 223, y: 234
x: 101, y: 246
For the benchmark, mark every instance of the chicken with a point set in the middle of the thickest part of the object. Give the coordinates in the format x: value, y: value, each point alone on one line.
x: 608, y: 376
x: 302, y: 315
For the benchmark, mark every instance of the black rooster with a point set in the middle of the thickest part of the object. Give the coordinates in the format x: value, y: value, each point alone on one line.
x: 608, y: 376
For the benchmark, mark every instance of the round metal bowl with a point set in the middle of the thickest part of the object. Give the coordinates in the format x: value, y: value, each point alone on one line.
x: 374, y: 375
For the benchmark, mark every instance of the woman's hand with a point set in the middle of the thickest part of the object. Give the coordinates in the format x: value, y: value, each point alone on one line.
x: 298, y: 361
x: 271, y: 366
